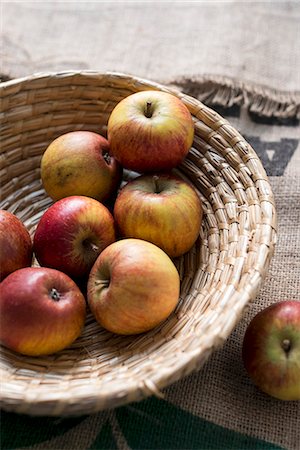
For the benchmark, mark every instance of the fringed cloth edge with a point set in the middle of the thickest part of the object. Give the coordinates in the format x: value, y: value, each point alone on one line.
x: 228, y: 92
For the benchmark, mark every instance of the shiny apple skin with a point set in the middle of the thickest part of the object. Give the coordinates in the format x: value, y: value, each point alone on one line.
x: 72, y: 233
x: 133, y: 286
x: 15, y: 244
x: 169, y: 218
x: 79, y: 163
x: 274, y: 370
x: 149, y: 144
x: 32, y: 321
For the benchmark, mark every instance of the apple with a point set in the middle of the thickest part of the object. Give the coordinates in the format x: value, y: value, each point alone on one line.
x: 150, y: 131
x: 42, y: 311
x: 15, y: 244
x: 271, y: 350
x: 72, y: 233
x: 79, y: 163
x: 132, y: 287
x: 162, y: 209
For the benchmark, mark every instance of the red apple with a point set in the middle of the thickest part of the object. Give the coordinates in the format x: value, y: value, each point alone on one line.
x: 15, y: 244
x: 133, y: 286
x: 150, y: 131
x: 271, y: 350
x: 79, y: 163
x: 42, y: 311
x: 162, y: 209
x: 72, y: 233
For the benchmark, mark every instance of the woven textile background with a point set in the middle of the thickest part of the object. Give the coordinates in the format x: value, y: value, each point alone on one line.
x: 242, y: 58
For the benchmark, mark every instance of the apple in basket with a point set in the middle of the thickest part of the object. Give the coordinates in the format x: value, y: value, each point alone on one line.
x: 15, y: 244
x: 71, y: 234
x: 42, y: 311
x: 132, y: 287
x: 150, y: 131
x: 79, y: 163
x: 162, y: 209
x: 271, y: 350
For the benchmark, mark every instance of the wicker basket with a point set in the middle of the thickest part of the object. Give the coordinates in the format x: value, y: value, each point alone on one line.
x: 219, y: 276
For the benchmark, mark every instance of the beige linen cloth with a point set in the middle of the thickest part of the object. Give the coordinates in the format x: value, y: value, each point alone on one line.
x: 238, y: 54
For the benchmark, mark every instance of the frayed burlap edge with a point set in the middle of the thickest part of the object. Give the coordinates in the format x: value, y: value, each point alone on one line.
x: 227, y: 92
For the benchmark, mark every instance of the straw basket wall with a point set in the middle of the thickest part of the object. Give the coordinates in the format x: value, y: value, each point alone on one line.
x: 219, y: 276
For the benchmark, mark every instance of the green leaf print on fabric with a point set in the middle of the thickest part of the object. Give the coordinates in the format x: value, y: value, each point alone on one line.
x: 157, y: 424
x: 150, y: 424
x: 105, y: 440
x: 20, y: 430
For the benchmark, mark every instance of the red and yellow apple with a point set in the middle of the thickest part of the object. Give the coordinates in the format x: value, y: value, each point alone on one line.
x: 150, y: 131
x: 132, y: 287
x: 15, y: 244
x: 162, y: 209
x: 42, y: 311
x: 79, y: 163
x: 71, y: 234
x: 271, y: 350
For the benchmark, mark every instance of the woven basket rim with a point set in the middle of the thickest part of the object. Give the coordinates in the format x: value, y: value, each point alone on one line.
x: 187, y: 362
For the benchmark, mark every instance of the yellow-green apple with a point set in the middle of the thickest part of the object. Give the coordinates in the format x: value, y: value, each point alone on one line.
x: 271, y: 350
x: 162, y: 209
x: 72, y: 233
x: 42, y: 311
x: 132, y: 287
x: 79, y: 163
x: 150, y: 131
x: 15, y: 244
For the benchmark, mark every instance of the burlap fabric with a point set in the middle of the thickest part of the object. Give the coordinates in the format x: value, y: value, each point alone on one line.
x: 253, y: 41
x: 221, y: 394
x: 251, y: 53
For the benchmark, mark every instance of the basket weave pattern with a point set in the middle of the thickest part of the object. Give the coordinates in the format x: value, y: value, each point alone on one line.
x: 220, y: 275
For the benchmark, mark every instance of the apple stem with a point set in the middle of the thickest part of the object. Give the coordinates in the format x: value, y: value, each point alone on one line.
x: 106, y: 157
x: 90, y: 246
x: 54, y: 294
x: 102, y: 283
x: 155, y: 182
x: 148, y: 110
x: 94, y: 247
x: 286, y: 345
